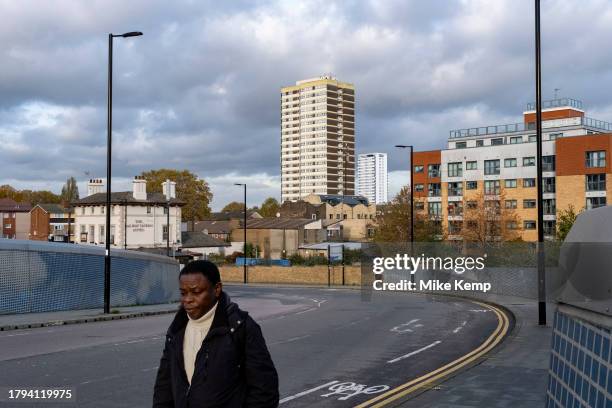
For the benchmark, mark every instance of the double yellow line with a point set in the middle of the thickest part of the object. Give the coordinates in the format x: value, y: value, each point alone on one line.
x: 413, y: 385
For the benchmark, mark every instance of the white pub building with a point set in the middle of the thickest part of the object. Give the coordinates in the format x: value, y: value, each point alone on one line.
x: 138, y: 219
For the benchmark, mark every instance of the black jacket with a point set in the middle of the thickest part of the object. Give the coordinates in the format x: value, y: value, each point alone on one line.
x: 232, y: 369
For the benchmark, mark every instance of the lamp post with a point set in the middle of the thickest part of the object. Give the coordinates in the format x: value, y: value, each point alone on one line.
x: 109, y: 139
x: 411, y: 189
x: 540, y: 247
x: 245, y: 231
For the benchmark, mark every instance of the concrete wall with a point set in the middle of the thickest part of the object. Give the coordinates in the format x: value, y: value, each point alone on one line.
x: 310, y: 275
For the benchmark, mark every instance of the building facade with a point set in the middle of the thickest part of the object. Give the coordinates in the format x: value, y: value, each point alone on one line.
x: 372, y: 182
x: 15, y: 219
x: 50, y: 222
x: 317, y: 138
x: 497, y: 164
x: 138, y: 219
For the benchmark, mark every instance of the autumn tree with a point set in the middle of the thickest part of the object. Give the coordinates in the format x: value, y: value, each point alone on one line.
x: 70, y: 191
x: 486, y: 220
x: 29, y: 196
x: 565, y: 220
x: 233, y: 207
x: 269, y: 207
x: 190, y: 189
x: 393, y: 222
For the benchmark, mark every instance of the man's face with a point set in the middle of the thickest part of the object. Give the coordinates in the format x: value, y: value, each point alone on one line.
x: 198, y: 295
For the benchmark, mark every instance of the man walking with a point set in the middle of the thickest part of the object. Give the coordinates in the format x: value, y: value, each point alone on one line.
x: 215, y: 354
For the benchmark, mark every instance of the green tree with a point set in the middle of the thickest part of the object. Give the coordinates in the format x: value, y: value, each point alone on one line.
x: 393, y: 222
x: 565, y: 220
x: 269, y: 207
x: 233, y: 206
x: 191, y: 189
x: 70, y: 191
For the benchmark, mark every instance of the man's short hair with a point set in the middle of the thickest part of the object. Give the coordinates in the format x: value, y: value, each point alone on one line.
x: 206, y: 268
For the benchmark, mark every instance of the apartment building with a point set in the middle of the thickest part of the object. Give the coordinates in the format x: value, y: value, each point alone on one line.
x: 15, y: 219
x: 317, y: 138
x: 50, y: 222
x: 138, y: 219
x: 497, y: 164
x: 372, y: 181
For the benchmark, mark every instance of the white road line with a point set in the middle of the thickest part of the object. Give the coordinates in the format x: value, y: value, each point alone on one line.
x: 290, y: 340
x: 301, y: 394
x: 459, y: 328
x: 395, y: 360
x: 306, y: 311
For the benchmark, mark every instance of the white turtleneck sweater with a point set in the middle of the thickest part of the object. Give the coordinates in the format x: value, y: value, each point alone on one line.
x: 195, y: 332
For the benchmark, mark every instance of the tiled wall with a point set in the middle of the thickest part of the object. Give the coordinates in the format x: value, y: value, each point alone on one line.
x: 580, y: 372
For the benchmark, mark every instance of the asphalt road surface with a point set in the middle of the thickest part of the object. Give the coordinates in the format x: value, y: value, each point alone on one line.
x: 331, y: 347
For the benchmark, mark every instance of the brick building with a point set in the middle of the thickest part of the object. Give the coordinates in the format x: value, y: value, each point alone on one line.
x: 15, y: 219
x: 49, y: 222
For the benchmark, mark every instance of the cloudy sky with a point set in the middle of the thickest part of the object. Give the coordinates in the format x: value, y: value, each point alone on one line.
x: 200, y: 89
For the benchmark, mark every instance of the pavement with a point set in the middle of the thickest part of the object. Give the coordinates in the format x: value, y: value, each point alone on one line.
x: 513, y: 375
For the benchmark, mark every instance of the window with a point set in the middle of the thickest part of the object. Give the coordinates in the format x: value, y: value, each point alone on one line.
x: 102, y: 209
x: 455, y: 189
x: 529, y: 182
x: 148, y: 209
x: 555, y: 136
x: 533, y: 138
x: 471, y: 185
x: 596, y: 159
x: 491, y: 167
x: 550, y: 227
x: 433, y: 190
x: 419, y: 205
x: 510, y: 162
x: 433, y: 170
x: 548, y: 206
x: 548, y: 163
x: 529, y: 225
x: 102, y: 235
x: 471, y: 165
x: 434, y: 209
x: 529, y: 161
x: 455, y: 169
x: 419, y: 188
x: 491, y: 187
x: 454, y: 227
x: 472, y: 205
x: 112, y: 235
x: 529, y: 203
x: 510, y: 183
x: 91, y: 210
x: 165, y: 210
x: 331, y: 216
x: 165, y: 233
x: 479, y: 143
x: 510, y: 204
x: 595, y: 182
x: 461, y: 145
x: 492, y: 206
x: 549, y: 184
x: 516, y: 139
x: 595, y: 202
x: 512, y: 225
x: 497, y: 142
x: 455, y: 208
x: 92, y: 232
x: 418, y: 169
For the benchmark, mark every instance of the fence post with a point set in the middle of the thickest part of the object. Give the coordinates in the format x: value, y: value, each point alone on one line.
x: 342, y: 264
x: 328, y: 265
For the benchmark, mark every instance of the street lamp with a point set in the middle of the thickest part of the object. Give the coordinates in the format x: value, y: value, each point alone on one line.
x: 245, y: 231
x: 109, y: 140
x: 541, y: 257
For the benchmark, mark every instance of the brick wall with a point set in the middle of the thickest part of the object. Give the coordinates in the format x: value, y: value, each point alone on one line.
x: 314, y: 275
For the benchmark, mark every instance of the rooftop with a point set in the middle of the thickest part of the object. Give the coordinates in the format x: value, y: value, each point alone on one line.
x: 200, y: 240
x: 9, y: 205
x: 278, y: 223
x: 126, y: 197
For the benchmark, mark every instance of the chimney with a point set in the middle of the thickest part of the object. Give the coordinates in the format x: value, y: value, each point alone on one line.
x: 139, y: 188
x: 95, y: 186
x: 169, y: 189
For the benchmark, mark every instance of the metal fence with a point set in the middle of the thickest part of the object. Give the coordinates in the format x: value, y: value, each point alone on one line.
x: 44, y: 277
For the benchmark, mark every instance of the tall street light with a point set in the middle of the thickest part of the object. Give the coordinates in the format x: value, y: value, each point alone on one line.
x: 411, y: 189
x: 109, y: 140
x: 541, y: 258
x: 245, y: 231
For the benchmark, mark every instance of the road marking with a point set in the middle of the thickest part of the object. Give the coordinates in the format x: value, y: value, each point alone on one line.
x: 405, y: 327
x: 401, y: 391
x: 459, y: 328
x: 479, y: 310
x: 307, y: 310
x: 395, y: 360
x: 301, y: 394
x: 290, y: 340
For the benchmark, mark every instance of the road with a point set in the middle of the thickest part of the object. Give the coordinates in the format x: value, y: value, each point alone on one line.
x: 331, y: 347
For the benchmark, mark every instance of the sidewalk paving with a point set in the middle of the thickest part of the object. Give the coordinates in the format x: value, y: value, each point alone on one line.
x: 33, y: 320
x: 513, y: 375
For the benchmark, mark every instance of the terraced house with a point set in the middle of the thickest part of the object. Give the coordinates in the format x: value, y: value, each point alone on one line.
x: 494, y: 167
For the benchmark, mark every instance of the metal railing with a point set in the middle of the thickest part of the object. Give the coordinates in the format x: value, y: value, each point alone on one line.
x: 557, y: 103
